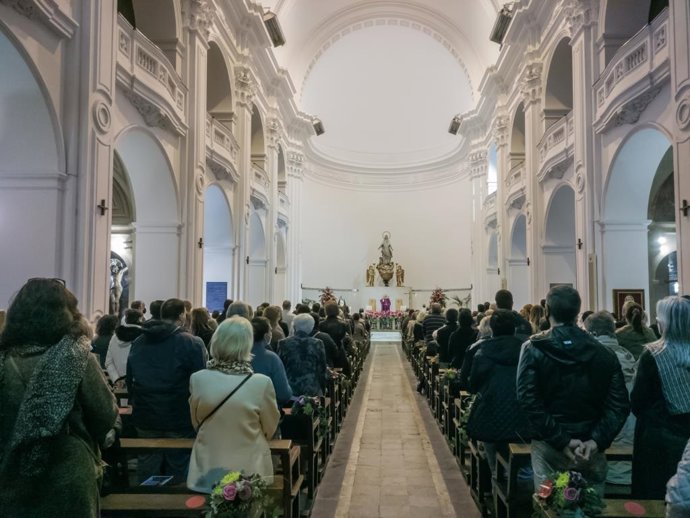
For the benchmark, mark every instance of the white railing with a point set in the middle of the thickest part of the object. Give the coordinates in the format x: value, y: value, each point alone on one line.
x: 490, y: 202
x: 259, y: 176
x: 283, y: 200
x: 516, y: 176
x: 636, y: 61
x: 146, y: 73
x: 557, y: 145
x: 220, y: 142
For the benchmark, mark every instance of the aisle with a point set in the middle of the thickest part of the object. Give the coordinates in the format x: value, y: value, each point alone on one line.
x: 391, y: 459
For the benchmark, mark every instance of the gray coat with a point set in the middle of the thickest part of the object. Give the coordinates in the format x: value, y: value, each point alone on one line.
x: 678, y: 489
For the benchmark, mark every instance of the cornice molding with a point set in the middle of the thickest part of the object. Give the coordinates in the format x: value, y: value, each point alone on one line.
x: 48, y: 12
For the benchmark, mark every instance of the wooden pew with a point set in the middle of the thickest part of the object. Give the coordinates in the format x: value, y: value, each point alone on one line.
x: 286, y: 486
x: 616, y: 509
x: 154, y: 505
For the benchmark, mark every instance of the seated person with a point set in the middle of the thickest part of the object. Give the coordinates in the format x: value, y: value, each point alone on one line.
x: 304, y: 358
x: 233, y: 410
x: 266, y: 362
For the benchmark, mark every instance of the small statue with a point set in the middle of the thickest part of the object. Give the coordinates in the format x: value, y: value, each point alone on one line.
x: 399, y: 276
x: 116, y: 288
x: 386, y: 249
x: 371, y: 275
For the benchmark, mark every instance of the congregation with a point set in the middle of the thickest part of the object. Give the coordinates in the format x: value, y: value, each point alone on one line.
x: 573, y: 384
x: 224, y: 381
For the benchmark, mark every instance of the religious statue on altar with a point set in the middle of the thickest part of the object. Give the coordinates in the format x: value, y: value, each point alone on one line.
x: 385, y: 304
x: 399, y: 276
x: 386, y: 249
x: 371, y: 275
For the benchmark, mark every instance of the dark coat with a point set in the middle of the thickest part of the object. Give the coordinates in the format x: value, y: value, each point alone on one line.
x: 431, y: 323
x: 572, y: 388
x: 69, y: 487
x: 304, y: 358
x: 459, y: 342
x: 443, y: 338
x: 492, y: 378
x: 100, y: 347
x: 659, y: 436
x: 159, y: 365
x: 335, y: 356
x: 336, y: 328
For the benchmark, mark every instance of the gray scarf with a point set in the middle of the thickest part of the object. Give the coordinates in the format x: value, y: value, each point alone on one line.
x: 48, y: 399
x: 675, y: 379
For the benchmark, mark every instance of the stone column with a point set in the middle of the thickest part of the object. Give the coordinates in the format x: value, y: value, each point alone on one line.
x: 500, y: 132
x: 581, y: 17
x: 680, y: 91
x: 244, y: 90
x: 295, y: 171
x: 478, y: 169
x: 89, y: 186
x: 531, y: 90
x: 196, y: 19
x: 272, y: 144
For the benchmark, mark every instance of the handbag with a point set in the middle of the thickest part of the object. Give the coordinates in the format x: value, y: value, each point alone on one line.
x: 238, y: 387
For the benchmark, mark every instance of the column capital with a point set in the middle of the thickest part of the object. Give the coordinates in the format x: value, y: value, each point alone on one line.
x: 245, y: 86
x: 274, y: 133
x: 295, y: 165
x: 500, y: 129
x: 580, y: 14
x: 530, y: 82
x: 196, y: 16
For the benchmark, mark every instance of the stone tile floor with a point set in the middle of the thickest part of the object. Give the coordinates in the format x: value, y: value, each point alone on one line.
x: 390, y: 458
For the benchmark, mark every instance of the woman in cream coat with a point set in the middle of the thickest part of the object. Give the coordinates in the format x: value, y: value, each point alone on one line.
x: 235, y: 436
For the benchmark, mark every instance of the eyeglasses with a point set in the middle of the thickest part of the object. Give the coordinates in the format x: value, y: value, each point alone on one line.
x: 54, y: 279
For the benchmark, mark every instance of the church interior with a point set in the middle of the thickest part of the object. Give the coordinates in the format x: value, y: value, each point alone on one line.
x: 393, y: 170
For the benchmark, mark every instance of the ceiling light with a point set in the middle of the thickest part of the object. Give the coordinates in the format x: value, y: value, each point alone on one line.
x: 273, y: 28
x: 318, y: 127
x: 661, y: 240
x: 454, y: 125
x: 501, y: 24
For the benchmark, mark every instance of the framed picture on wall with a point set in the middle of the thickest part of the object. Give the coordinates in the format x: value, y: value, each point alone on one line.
x: 620, y: 297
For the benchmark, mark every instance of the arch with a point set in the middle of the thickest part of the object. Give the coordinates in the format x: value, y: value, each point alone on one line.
x: 32, y: 151
x: 258, y: 263
x: 159, y: 21
x: 517, y: 137
x: 518, y: 271
x: 558, y: 89
x: 155, y: 234
x: 619, y: 21
x: 492, y: 253
x: 219, y: 101
x: 628, y: 239
x: 219, y: 242
x: 559, y: 238
x: 257, y: 142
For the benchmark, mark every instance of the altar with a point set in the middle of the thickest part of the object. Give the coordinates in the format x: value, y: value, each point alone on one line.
x: 370, y: 297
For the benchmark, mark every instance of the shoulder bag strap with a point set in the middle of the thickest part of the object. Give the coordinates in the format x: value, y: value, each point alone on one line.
x: 238, y: 387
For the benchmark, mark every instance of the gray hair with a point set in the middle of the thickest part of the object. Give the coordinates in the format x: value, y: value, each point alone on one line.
x: 673, y: 317
x: 239, y: 308
x: 600, y: 323
x: 233, y: 340
x: 303, y: 322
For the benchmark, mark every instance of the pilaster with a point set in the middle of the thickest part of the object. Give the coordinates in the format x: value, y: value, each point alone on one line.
x: 274, y: 131
x: 478, y: 167
x: 295, y: 185
x: 500, y: 132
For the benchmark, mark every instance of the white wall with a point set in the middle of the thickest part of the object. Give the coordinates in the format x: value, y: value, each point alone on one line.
x: 430, y: 234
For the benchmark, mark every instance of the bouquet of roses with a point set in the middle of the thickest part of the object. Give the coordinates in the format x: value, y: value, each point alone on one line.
x: 569, y: 493
x: 238, y: 495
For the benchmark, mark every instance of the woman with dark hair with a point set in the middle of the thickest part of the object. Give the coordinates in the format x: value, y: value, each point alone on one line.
x: 56, y: 407
x: 273, y: 314
x: 635, y: 334
x: 201, y: 326
x: 105, y: 329
x: 461, y: 339
x: 660, y: 400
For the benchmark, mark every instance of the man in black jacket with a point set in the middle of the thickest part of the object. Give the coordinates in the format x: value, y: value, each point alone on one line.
x: 504, y: 300
x: 159, y: 366
x: 443, y: 335
x: 573, y: 392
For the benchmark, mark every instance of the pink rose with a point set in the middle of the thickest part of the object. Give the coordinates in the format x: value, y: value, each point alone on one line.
x: 545, y: 489
x: 230, y: 492
x: 571, y: 494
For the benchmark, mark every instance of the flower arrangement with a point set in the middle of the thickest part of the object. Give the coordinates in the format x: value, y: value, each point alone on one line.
x: 452, y: 374
x: 327, y: 295
x: 438, y: 295
x: 311, y: 406
x: 238, y: 495
x: 569, y: 493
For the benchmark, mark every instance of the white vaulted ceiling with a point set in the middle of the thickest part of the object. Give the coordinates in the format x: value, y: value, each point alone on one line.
x: 385, y: 77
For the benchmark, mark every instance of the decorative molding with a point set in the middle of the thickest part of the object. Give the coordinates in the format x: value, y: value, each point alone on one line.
x: 152, y: 113
x: 629, y: 113
x: 531, y: 83
x: 580, y: 14
x: 48, y: 12
x: 274, y: 131
x: 500, y: 130
x: 197, y: 16
x: 245, y: 86
x: 101, y: 116
x: 683, y: 113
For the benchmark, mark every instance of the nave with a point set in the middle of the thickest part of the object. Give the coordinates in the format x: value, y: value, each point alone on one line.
x: 391, y: 459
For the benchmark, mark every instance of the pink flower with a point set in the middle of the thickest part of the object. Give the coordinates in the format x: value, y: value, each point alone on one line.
x: 571, y: 494
x: 230, y: 492
x: 246, y: 492
x: 545, y: 489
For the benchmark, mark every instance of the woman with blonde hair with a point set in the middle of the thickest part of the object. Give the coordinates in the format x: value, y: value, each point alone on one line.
x: 233, y: 410
x: 536, y: 315
x: 660, y: 400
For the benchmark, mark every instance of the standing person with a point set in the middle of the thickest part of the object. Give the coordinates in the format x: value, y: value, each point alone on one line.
x: 504, y: 300
x: 233, y: 410
x: 304, y: 358
x: 273, y: 314
x: 159, y: 366
x: 121, y: 343
x: 634, y: 335
x: 56, y: 407
x: 334, y: 326
x: 264, y: 361
x: 105, y: 328
x: 661, y: 401
x: 433, y: 321
x: 463, y: 337
x: 288, y: 315
x: 155, y: 308
x: 573, y: 392
x: 444, y: 333
x: 201, y: 325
